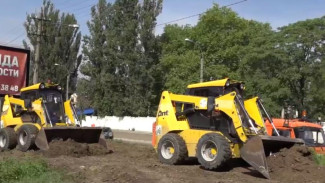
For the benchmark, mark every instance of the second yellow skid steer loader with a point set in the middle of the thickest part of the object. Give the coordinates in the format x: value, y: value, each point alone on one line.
x: 39, y: 116
x: 211, y: 123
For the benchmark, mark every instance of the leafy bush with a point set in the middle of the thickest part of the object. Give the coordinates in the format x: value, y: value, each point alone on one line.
x: 320, y: 159
x: 29, y: 171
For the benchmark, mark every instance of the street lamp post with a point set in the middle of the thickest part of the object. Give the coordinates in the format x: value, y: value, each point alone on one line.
x: 201, y: 56
x: 74, y: 26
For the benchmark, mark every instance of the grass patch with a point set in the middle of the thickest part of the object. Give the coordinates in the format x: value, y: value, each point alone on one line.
x: 320, y: 159
x: 29, y: 171
x: 118, y: 140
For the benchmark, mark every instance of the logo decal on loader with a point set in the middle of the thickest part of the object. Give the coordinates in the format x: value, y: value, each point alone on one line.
x: 161, y: 113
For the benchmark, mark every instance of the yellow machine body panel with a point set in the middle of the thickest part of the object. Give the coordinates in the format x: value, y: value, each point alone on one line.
x: 69, y: 112
x: 39, y: 110
x: 221, y: 82
x: 38, y: 86
x: 226, y: 104
x: 32, y: 87
x: 12, y: 107
x: 7, y: 116
x: 254, y: 112
x: 166, y: 117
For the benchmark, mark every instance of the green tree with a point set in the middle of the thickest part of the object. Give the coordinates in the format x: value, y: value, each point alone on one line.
x: 98, y: 64
x: 121, y: 55
x: 150, y: 72
x: 224, y: 38
x: 178, y: 62
x: 317, y: 93
x: 59, y: 44
x: 232, y: 47
x: 260, y: 67
x: 302, y: 43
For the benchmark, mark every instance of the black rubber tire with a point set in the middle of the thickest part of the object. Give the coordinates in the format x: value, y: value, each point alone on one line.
x: 222, y: 155
x: 10, y: 138
x: 30, y: 132
x: 180, y: 150
x: 108, y: 133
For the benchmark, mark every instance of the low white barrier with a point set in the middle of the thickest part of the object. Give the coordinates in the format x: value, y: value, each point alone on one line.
x: 121, y: 123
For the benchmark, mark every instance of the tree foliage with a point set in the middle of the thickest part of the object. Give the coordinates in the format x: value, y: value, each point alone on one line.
x: 121, y: 57
x: 127, y: 65
x: 282, y: 67
x: 59, y: 44
x: 302, y: 43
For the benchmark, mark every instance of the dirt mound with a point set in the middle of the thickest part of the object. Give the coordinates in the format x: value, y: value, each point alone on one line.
x: 295, y: 164
x: 74, y: 149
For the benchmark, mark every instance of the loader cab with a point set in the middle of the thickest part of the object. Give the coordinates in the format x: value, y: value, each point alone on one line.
x: 213, y: 89
x: 52, y: 101
x: 313, y: 137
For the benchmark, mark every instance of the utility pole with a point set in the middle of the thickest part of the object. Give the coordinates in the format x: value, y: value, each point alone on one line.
x: 37, y: 51
x: 40, y: 19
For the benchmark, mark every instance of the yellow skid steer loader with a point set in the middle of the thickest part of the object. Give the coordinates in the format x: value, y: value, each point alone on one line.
x: 39, y: 116
x: 210, y: 122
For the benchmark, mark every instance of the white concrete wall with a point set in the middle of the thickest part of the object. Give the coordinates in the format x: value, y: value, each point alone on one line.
x: 143, y: 124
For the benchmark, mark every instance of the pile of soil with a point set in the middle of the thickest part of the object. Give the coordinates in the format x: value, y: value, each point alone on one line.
x: 74, y: 149
x: 295, y: 164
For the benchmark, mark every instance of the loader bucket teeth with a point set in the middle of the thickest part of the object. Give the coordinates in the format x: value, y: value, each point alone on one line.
x: 87, y: 135
x: 255, y: 150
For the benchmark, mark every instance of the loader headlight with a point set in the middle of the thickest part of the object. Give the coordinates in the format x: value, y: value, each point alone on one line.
x: 59, y: 88
x: 227, y: 83
x: 242, y: 86
x: 42, y: 86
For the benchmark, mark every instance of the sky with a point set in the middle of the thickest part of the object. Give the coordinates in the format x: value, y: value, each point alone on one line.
x: 276, y: 12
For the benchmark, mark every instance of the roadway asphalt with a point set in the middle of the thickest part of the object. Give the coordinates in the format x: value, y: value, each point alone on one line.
x: 132, y: 136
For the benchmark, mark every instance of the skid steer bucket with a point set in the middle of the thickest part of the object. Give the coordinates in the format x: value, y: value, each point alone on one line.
x: 255, y: 150
x: 87, y: 135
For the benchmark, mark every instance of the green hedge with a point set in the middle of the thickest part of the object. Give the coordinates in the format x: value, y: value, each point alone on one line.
x: 29, y: 171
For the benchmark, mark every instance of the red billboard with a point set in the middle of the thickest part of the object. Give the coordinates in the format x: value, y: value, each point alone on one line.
x: 14, y: 67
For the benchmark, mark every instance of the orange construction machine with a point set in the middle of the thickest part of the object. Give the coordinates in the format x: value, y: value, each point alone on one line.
x: 311, y: 133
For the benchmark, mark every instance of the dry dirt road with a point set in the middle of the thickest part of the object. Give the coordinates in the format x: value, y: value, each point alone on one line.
x: 132, y: 136
x: 135, y: 162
